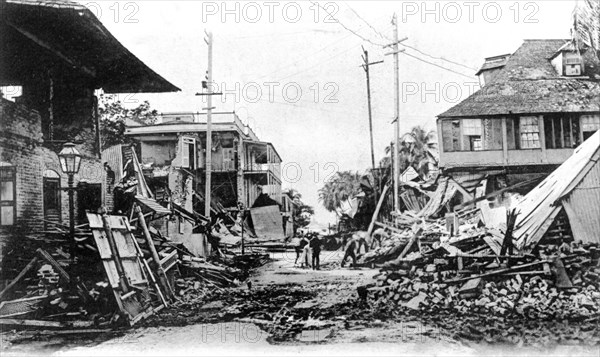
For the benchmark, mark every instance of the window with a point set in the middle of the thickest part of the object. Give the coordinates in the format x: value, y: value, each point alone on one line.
x: 561, y: 131
x: 451, y: 135
x: 7, y: 194
x: 590, y: 123
x: 512, y: 133
x: 188, y: 153
x: 530, y: 133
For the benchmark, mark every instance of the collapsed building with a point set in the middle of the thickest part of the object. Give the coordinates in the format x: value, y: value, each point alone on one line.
x: 57, y: 53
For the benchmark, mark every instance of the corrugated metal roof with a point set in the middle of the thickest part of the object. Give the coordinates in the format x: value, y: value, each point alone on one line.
x: 583, y: 208
x: 540, y: 206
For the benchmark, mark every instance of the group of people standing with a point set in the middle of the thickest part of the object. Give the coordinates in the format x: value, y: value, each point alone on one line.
x: 308, y: 250
x: 308, y: 247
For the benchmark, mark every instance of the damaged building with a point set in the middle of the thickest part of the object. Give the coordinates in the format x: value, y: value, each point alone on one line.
x: 57, y: 54
x: 244, y: 169
x: 535, y: 107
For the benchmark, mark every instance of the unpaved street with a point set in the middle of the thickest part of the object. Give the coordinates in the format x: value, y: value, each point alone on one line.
x: 288, y: 310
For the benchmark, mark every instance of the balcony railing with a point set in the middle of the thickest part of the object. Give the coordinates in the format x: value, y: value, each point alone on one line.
x: 275, y: 169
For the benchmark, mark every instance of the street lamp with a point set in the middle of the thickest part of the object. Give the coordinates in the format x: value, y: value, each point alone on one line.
x: 70, y: 159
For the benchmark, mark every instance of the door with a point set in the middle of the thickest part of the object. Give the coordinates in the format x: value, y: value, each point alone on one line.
x: 52, y: 201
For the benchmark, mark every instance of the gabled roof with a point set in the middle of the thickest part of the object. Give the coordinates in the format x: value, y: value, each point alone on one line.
x: 540, y: 206
x: 53, y: 33
x: 529, y: 83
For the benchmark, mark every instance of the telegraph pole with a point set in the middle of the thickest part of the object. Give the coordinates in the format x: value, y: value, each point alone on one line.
x: 207, y: 191
x: 396, y: 112
x: 395, y: 52
x: 365, y: 66
x: 209, y: 93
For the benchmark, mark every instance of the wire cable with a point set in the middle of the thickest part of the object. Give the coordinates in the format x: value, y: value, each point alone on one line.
x: 436, y: 65
x: 346, y: 27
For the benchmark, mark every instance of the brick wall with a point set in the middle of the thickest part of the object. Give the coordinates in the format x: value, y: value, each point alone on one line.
x: 21, y: 146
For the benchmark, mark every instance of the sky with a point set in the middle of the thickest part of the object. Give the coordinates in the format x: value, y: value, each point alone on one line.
x: 292, y: 70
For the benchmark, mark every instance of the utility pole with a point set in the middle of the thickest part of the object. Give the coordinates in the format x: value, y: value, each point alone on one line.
x: 396, y: 113
x: 207, y: 190
x: 395, y: 152
x: 366, y: 68
x: 209, y: 93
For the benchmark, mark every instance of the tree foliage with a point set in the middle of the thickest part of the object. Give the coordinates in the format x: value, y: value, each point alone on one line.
x: 416, y: 150
x: 302, y: 212
x: 341, y: 186
x: 113, y: 118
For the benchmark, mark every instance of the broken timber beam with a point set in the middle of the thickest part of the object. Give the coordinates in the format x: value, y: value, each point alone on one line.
x: 43, y: 323
x: 496, y: 193
x: 27, y: 268
x: 397, y: 230
x: 162, y: 274
x: 377, y: 209
x: 500, y: 271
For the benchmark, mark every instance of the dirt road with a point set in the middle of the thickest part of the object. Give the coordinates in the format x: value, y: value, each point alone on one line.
x: 290, y: 310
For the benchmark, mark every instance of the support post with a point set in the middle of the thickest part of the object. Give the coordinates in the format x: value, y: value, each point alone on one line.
x: 207, y: 183
x: 396, y: 114
x: 377, y: 209
x: 366, y: 68
x: 72, y: 216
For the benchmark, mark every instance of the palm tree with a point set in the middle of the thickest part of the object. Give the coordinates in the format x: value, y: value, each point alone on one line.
x: 339, y: 188
x: 416, y: 149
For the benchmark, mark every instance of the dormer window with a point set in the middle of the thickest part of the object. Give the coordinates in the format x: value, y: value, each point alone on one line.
x: 568, y: 61
x: 572, y: 64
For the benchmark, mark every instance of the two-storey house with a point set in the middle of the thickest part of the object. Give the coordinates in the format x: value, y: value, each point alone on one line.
x: 536, y: 105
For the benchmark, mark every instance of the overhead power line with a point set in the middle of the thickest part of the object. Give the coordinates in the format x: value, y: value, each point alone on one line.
x: 366, y: 22
x: 437, y: 65
x: 439, y: 58
x: 405, y: 45
x: 346, y: 27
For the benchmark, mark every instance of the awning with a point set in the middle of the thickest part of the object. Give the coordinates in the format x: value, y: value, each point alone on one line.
x: 43, y: 34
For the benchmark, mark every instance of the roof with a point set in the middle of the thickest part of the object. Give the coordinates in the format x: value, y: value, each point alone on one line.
x: 444, y: 192
x: 528, y: 83
x: 540, y: 206
x: 493, y: 63
x: 61, y: 32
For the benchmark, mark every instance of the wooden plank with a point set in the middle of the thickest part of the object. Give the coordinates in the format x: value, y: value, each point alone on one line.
x: 377, y: 209
x: 397, y: 230
x: 43, y: 323
x: 25, y: 270
x: 499, y: 271
x: 496, y: 193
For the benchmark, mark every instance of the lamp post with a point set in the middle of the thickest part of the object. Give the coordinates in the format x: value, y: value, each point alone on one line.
x: 70, y: 159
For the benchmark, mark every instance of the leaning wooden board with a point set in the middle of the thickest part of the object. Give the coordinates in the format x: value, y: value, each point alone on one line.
x: 134, y: 301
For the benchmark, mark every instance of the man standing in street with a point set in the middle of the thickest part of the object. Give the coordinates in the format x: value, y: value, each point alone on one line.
x: 315, y: 245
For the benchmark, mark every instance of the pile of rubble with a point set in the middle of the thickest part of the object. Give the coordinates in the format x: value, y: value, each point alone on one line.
x: 120, y: 274
x: 475, y: 272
